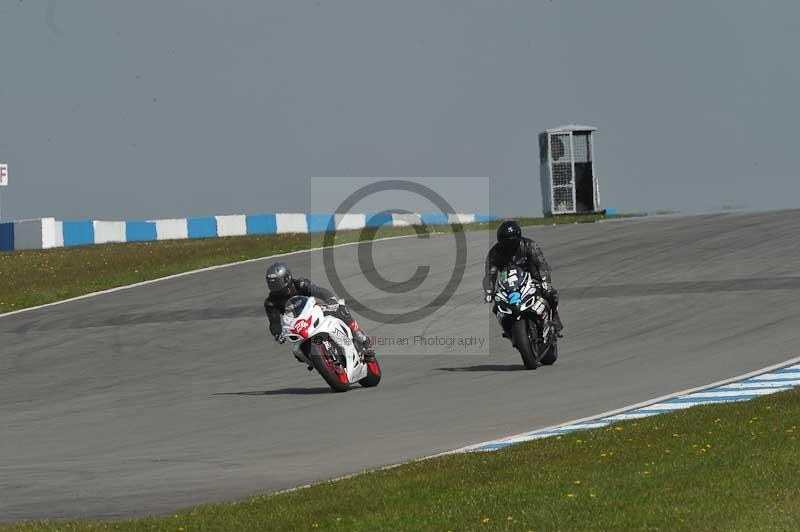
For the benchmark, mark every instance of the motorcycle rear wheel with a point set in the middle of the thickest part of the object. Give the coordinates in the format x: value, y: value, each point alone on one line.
x: 324, y: 365
x: 522, y: 341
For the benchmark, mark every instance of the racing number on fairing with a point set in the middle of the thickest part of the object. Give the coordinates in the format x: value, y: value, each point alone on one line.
x: 301, y: 327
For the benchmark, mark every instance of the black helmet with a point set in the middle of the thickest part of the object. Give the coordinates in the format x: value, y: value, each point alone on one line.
x: 278, y: 277
x: 508, y: 235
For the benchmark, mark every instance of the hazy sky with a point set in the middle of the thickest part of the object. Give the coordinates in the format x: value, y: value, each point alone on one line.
x: 122, y: 109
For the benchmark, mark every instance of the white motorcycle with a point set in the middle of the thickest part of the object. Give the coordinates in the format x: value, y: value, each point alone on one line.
x: 325, y: 343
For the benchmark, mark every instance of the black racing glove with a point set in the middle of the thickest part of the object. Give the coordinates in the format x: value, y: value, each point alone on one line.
x: 276, y: 332
x: 550, y: 293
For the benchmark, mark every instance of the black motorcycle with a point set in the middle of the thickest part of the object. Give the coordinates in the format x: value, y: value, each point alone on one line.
x: 526, y: 317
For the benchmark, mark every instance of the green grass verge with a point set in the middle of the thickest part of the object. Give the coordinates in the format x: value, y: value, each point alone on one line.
x: 30, y: 278
x: 731, y: 467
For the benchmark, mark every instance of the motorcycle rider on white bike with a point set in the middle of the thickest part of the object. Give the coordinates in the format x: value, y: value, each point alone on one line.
x: 282, y: 287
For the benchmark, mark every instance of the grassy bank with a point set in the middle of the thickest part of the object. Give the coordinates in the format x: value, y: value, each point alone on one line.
x: 30, y: 278
x: 731, y: 467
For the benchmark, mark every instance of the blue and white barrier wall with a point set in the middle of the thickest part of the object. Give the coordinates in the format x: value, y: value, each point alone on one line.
x: 50, y: 233
x: 43, y: 233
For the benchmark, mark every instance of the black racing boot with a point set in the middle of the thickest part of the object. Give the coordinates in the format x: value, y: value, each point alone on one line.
x: 362, y: 342
x: 557, y: 324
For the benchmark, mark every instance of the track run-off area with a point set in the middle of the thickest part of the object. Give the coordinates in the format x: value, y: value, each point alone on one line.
x: 173, y: 393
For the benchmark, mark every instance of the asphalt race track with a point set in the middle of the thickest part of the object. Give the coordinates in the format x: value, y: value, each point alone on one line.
x: 172, y: 394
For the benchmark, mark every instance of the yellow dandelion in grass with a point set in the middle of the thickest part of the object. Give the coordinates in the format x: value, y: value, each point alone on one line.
x: 618, y: 429
x: 314, y: 525
x: 577, y: 482
x: 592, y: 495
x: 603, y: 455
x: 509, y: 518
x: 570, y: 495
x: 485, y: 520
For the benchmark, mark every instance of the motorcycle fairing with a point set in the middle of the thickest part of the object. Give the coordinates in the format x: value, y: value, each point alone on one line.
x: 310, y: 323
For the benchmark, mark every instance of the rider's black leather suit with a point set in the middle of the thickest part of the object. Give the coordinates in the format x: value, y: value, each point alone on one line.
x: 528, y: 256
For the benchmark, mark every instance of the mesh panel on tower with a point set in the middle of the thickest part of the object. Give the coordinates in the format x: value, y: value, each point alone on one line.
x: 561, y: 154
x: 582, y: 148
x: 562, y: 199
x: 569, y: 184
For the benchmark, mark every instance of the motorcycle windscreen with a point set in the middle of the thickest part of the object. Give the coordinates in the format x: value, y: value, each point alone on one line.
x: 295, y: 305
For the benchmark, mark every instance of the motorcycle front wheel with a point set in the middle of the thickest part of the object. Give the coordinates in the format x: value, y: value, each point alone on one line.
x: 373, y: 374
x: 333, y: 374
x: 522, y: 341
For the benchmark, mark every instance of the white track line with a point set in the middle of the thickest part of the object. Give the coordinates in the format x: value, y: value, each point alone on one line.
x: 632, y: 415
x: 653, y: 404
x: 759, y: 385
x: 192, y: 272
x: 773, y: 377
x: 732, y: 393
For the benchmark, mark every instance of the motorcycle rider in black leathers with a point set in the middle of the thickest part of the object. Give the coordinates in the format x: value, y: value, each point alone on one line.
x: 514, y: 249
x: 282, y: 286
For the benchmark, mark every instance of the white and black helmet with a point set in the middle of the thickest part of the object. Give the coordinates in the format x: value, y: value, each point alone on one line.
x: 278, y: 277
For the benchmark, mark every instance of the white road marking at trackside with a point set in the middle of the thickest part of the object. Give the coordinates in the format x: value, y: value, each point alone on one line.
x: 632, y: 415
x: 584, y: 426
x: 783, y: 384
x: 671, y: 406
x: 732, y: 393
x: 657, y: 404
x: 772, y: 377
x: 653, y: 410
x: 192, y: 272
